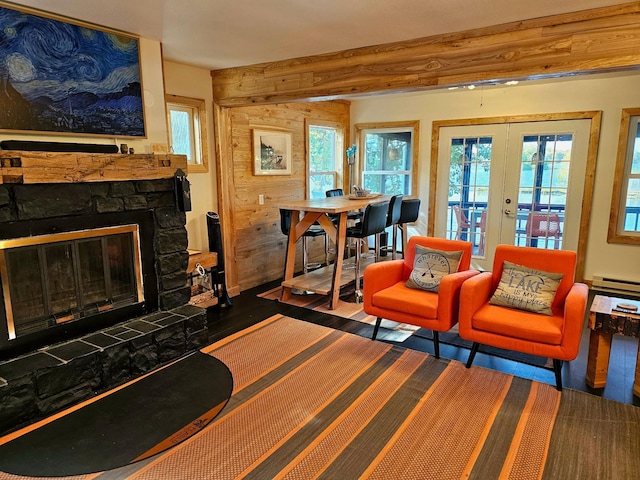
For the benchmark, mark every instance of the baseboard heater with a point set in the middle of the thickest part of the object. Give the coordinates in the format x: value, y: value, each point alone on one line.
x: 616, y: 285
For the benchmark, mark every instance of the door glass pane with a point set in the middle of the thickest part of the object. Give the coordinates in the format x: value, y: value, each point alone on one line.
x: 387, y: 162
x: 542, y: 192
x: 468, y: 197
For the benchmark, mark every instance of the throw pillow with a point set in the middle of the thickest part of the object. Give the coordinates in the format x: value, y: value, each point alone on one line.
x: 430, y: 266
x: 526, y: 288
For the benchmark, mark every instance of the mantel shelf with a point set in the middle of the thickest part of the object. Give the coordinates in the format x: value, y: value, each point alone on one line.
x: 54, y: 167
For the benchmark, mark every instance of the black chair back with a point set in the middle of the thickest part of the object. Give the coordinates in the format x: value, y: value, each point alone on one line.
x: 374, y: 220
x: 336, y: 192
x: 395, y: 206
x: 409, y: 211
x: 285, y: 221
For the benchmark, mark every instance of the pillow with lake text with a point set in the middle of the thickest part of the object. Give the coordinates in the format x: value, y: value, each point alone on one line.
x: 430, y: 265
x: 526, y: 288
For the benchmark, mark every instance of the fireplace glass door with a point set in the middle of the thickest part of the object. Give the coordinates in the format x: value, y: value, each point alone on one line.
x: 51, y: 279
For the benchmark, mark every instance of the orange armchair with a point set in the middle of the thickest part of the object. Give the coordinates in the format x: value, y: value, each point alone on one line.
x: 387, y: 296
x: 556, y: 336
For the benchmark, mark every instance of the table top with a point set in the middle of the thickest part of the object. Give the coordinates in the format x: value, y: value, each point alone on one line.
x: 606, y: 317
x: 205, y: 259
x: 332, y: 204
x: 614, y: 306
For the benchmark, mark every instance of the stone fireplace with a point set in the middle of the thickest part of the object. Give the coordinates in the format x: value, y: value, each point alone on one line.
x: 93, y: 260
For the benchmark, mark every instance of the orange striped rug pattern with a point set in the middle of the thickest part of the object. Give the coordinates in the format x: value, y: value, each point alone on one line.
x: 350, y: 310
x: 312, y: 402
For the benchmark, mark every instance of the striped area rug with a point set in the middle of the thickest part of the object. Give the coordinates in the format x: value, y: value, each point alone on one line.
x: 313, y: 402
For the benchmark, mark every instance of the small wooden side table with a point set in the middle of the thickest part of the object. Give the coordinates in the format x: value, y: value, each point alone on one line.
x: 606, y: 320
x: 206, y: 262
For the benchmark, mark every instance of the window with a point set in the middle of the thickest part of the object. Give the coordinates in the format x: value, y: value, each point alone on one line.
x: 186, y: 120
x: 326, y: 151
x: 388, y: 156
x: 624, y: 223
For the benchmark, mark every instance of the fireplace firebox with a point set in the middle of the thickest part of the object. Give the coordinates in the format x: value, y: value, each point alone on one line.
x: 61, y: 277
x: 67, y: 276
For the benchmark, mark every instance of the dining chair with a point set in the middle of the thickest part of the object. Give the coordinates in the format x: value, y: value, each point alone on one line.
x: 393, y: 217
x: 339, y: 192
x: 373, y: 222
x: 312, y: 232
x: 409, y: 211
x: 483, y: 232
x: 545, y: 225
x: 461, y: 220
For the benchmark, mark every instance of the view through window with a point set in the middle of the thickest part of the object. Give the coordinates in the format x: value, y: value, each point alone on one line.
x: 326, y: 147
x: 387, y: 164
x: 186, y: 121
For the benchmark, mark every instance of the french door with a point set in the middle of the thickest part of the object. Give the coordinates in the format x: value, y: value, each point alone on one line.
x: 520, y: 184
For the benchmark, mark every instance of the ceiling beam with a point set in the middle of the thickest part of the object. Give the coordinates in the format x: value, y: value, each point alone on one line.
x: 589, y: 41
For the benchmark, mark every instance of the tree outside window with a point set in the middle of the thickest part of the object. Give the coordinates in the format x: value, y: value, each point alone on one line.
x: 186, y: 121
x: 325, y: 159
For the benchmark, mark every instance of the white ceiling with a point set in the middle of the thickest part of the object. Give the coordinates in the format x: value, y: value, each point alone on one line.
x: 226, y: 33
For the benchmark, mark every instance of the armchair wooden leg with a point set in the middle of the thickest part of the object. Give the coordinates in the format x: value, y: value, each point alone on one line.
x: 436, y: 344
x: 376, y: 328
x: 557, y: 368
x: 472, y: 353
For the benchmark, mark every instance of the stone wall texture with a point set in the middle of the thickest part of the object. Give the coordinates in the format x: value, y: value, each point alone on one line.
x: 55, y: 377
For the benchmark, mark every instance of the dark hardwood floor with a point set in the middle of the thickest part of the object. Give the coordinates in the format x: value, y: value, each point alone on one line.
x: 248, y: 309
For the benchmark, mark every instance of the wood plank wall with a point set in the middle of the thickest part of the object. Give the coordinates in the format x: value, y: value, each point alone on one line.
x: 580, y: 42
x: 252, y: 236
x: 590, y: 41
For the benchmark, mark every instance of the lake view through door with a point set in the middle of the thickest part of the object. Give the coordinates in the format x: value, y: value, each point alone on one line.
x: 519, y: 184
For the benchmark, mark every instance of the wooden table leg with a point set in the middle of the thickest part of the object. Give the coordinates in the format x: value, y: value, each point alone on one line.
x: 636, y: 382
x: 598, y: 361
x: 341, y: 240
x: 290, y: 257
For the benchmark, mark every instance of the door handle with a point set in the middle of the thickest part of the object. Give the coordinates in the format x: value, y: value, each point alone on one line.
x: 508, y: 212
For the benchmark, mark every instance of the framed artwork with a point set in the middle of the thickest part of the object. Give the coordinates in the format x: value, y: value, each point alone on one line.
x: 271, y: 152
x: 58, y: 77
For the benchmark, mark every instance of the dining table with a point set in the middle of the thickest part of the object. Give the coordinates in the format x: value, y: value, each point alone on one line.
x: 327, y: 280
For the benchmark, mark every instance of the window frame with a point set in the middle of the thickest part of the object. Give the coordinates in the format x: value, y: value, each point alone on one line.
x: 621, y: 179
x: 360, y: 133
x: 338, y: 172
x: 198, y: 118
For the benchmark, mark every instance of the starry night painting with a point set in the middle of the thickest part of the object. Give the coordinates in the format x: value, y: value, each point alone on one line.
x: 58, y: 77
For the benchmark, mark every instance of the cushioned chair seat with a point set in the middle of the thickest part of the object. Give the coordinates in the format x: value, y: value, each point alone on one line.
x: 520, y: 324
x: 407, y: 300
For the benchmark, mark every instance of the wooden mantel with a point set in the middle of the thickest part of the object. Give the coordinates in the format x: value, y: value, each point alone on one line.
x: 53, y: 167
